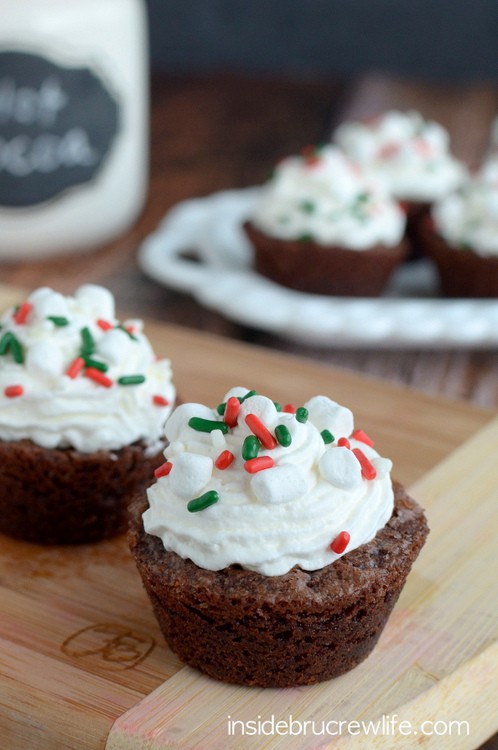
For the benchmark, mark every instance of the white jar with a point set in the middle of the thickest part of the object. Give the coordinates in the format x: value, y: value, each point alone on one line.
x: 73, y: 123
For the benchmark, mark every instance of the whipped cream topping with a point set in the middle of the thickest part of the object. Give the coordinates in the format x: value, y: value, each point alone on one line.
x: 409, y: 154
x: 72, y: 376
x: 468, y: 218
x: 323, y: 196
x: 311, y: 504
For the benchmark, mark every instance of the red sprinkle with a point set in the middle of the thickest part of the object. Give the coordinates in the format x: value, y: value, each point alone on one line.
x: 98, y: 376
x: 344, y: 442
x: 104, y: 324
x: 262, y: 433
x: 224, y: 460
x: 258, y: 464
x: 23, y: 312
x: 289, y: 408
x: 363, y: 437
x: 131, y: 330
x: 160, y: 400
x: 163, y: 470
x: 12, y: 391
x: 388, y: 150
x: 423, y: 148
x: 367, y: 469
x: 340, y: 542
x: 232, y: 409
x: 75, y: 367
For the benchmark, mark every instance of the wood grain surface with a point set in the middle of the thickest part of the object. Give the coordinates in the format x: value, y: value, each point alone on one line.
x: 79, y: 646
x: 218, y: 132
x: 429, y: 663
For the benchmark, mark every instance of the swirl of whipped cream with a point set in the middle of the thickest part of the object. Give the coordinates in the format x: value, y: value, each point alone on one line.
x: 408, y: 153
x: 468, y: 218
x: 50, y: 335
x: 325, y: 197
x: 278, y: 517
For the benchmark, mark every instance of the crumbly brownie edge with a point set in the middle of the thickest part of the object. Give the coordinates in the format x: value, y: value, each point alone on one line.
x: 61, y: 496
x: 462, y: 273
x: 297, y: 629
x: 309, y: 267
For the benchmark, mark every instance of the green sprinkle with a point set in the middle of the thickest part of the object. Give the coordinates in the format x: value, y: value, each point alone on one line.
x: 302, y: 414
x: 89, y: 362
x: 250, y: 447
x: 278, y: 406
x: 88, y: 344
x: 17, y: 351
x: 248, y: 395
x: 283, y: 435
x: 204, y: 501
x: 128, y: 333
x: 5, y: 342
x: 307, y: 237
x: 207, y: 425
x: 362, y: 197
x: 327, y: 437
x: 9, y: 342
x: 308, y: 207
x: 131, y: 379
x: 58, y: 320
x: 221, y: 408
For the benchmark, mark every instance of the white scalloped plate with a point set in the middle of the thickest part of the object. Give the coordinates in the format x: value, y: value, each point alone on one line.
x: 409, y: 315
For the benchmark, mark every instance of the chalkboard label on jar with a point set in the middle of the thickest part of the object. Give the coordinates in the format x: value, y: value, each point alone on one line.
x: 57, y: 127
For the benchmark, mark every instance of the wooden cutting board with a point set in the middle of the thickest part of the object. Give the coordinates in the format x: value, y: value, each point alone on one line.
x: 82, y: 661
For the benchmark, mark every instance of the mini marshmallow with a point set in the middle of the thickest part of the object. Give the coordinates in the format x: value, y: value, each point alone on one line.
x: 96, y: 300
x: 328, y: 415
x: 44, y: 359
x: 218, y: 440
x: 179, y: 418
x: 280, y: 484
x: 237, y: 390
x: 190, y: 474
x: 47, y: 302
x: 383, y: 466
x: 262, y: 407
x: 114, y: 345
x: 340, y: 467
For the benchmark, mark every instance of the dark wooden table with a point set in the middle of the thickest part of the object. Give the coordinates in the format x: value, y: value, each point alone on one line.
x: 214, y: 133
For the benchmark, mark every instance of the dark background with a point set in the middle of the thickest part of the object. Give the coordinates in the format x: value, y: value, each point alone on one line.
x: 445, y: 40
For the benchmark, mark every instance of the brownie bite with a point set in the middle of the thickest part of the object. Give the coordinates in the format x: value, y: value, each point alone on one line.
x: 461, y: 236
x: 322, y: 226
x: 274, y: 548
x: 412, y: 157
x: 83, y: 401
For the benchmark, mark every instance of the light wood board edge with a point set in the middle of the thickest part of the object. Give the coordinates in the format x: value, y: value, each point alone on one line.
x: 453, y: 678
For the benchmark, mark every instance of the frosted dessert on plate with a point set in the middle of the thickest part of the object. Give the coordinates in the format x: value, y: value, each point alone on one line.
x: 273, y: 544
x: 83, y: 402
x: 322, y: 226
x: 410, y: 154
x: 462, y: 236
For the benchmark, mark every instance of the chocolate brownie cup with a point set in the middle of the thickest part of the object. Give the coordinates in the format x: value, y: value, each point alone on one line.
x: 83, y: 401
x: 461, y: 237
x: 284, y: 569
x: 322, y: 226
x: 412, y: 157
x: 323, y: 269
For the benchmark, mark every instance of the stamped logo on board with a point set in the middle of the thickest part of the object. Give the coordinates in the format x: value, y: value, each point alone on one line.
x: 115, y: 646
